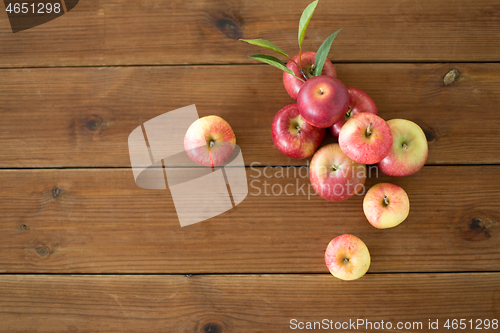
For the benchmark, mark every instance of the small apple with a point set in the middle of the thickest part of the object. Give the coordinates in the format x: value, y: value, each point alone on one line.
x: 293, y: 136
x: 409, y: 149
x: 209, y: 141
x: 334, y: 176
x: 386, y: 205
x: 366, y: 138
x: 292, y: 84
x: 359, y: 101
x: 347, y: 257
x: 323, y: 101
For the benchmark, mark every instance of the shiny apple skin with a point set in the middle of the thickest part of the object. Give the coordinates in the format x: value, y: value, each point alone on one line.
x: 382, y: 215
x: 336, y: 185
x: 201, y: 133
x: 363, y: 148
x: 400, y: 161
x: 292, y: 142
x: 292, y: 84
x: 347, y: 257
x: 359, y: 102
x: 323, y: 101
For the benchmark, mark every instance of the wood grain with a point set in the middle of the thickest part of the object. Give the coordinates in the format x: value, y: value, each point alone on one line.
x: 256, y: 303
x: 125, y: 32
x: 81, y: 117
x: 99, y: 221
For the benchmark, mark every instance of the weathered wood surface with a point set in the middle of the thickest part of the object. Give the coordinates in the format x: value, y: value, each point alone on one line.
x: 126, y: 32
x: 82, y: 117
x: 233, y: 303
x: 99, y: 221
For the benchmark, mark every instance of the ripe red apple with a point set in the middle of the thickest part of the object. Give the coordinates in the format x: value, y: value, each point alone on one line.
x: 334, y: 176
x: 293, y: 136
x: 347, y: 257
x: 292, y: 84
x: 209, y: 141
x: 323, y: 101
x: 409, y: 149
x: 359, y: 101
x: 366, y: 138
x: 386, y: 205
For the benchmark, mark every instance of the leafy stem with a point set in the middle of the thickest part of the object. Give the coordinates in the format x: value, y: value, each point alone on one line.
x: 275, y: 62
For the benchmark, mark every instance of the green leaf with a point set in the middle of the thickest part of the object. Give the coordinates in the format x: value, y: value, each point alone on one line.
x: 322, y: 53
x: 267, y: 44
x: 273, y: 61
x: 304, y: 20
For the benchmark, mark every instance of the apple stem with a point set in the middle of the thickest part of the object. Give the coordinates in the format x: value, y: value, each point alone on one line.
x: 346, y: 260
x: 311, y: 70
x: 349, y: 112
x: 212, y: 143
x: 304, y: 75
x: 369, y: 129
x: 298, y: 129
x: 405, y: 146
x: 299, y: 70
x: 386, y: 200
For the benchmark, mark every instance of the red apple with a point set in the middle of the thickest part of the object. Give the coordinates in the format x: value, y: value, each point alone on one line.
x: 334, y: 176
x: 347, y: 257
x: 209, y: 141
x: 359, y: 101
x: 409, y: 149
x: 386, y: 205
x: 366, y: 138
x: 323, y: 100
x: 293, y: 136
x: 292, y: 84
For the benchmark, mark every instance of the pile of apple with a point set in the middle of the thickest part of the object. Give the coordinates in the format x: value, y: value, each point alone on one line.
x: 337, y: 172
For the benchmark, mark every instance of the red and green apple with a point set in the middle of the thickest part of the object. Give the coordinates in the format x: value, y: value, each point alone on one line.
x: 293, y: 136
x: 409, y: 149
x: 386, y: 205
x: 323, y: 101
x: 366, y: 138
x: 209, y: 141
x: 334, y: 176
x: 347, y: 257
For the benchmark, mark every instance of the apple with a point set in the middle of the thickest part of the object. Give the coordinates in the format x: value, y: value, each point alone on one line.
x: 365, y: 138
x: 209, y: 141
x: 409, y: 149
x: 292, y: 84
x: 347, y: 257
x: 334, y: 176
x: 323, y: 100
x: 359, y: 101
x: 386, y: 205
x: 293, y: 136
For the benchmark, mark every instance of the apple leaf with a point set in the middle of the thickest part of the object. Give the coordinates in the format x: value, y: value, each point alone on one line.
x: 322, y: 53
x: 273, y: 61
x: 266, y: 44
x: 304, y: 20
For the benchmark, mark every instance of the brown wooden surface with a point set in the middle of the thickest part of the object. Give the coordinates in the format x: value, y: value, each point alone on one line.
x: 128, y: 32
x: 82, y: 116
x: 95, y: 221
x: 234, y: 303
x: 122, y: 62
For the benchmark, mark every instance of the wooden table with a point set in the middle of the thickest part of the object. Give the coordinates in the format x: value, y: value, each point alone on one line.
x: 83, y: 249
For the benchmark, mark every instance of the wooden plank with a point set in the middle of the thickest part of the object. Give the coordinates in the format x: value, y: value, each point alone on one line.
x: 82, y: 117
x: 200, y: 32
x: 232, y: 303
x: 99, y: 221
